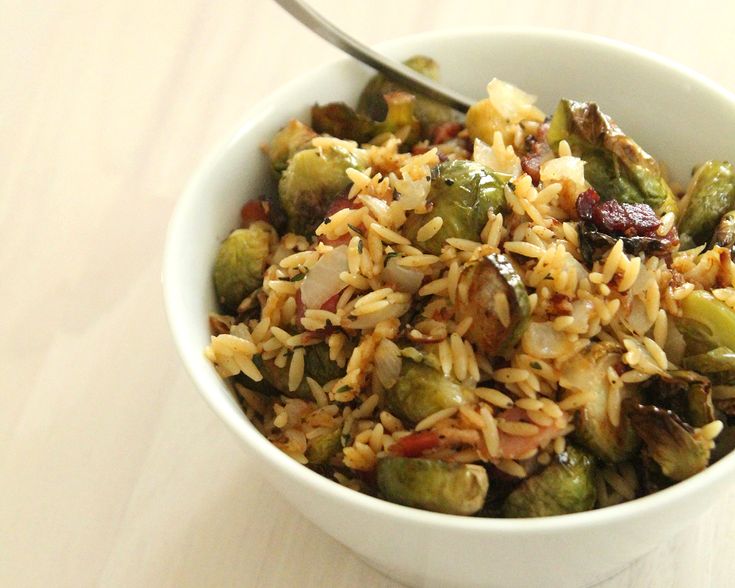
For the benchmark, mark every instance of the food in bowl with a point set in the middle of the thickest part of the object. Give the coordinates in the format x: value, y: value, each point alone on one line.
x: 504, y: 316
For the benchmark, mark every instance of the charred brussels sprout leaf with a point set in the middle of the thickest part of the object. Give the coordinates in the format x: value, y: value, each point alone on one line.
x: 422, y: 390
x: 263, y: 386
x: 593, y: 243
x: 566, y: 486
x: 588, y: 372
x: 323, y: 448
x: 317, y: 366
x: 615, y: 165
x: 706, y: 323
x: 292, y: 138
x: 720, y: 360
x: 685, y: 393
x: 240, y: 262
x: 492, y: 276
x: 724, y: 235
x: 429, y: 113
x: 670, y: 442
x: 710, y: 195
x: 313, y: 179
x: 461, y: 193
x: 433, y: 485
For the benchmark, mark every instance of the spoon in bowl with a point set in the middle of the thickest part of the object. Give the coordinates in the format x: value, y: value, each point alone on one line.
x: 393, y: 70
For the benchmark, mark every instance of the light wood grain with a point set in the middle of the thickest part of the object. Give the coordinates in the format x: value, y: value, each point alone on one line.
x: 112, y: 471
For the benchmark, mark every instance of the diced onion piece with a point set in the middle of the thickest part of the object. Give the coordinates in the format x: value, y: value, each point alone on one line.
x: 512, y: 103
x: 322, y: 282
x: 566, y: 169
x: 388, y: 363
x: 542, y: 340
x: 404, y: 279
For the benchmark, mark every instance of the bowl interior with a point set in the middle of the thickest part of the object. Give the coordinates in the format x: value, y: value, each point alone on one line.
x: 673, y: 113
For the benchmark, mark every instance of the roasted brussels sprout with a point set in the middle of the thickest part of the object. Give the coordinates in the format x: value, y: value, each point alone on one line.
x: 565, y: 486
x: 434, y: 485
x: 313, y: 179
x: 489, y: 278
x: 711, y: 194
x: 422, y: 390
x: 240, y: 263
x: 339, y: 120
x: 461, y: 193
x: 323, y: 448
x: 588, y: 372
x: 429, y: 113
x: 317, y: 366
x: 670, y: 442
x: 292, y: 138
x: 615, y: 165
x: 687, y: 394
x: 724, y: 235
x: 706, y: 323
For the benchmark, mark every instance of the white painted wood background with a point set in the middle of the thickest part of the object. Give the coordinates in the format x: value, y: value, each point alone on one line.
x: 112, y: 471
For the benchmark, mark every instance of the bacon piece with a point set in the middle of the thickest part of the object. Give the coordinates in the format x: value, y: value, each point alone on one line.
x: 445, y: 131
x: 252, y: 211
x: 514, y: 446
x: 537, y: 153
x: 337, y: 205
x: 415, y: 444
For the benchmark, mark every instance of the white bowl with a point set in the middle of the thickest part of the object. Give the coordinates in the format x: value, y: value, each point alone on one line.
x: 674, y: 113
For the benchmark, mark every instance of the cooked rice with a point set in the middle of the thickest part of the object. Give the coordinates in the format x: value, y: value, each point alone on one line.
x: 428, y: 230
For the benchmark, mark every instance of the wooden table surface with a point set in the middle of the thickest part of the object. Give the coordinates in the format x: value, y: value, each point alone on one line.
x: 113, y: 472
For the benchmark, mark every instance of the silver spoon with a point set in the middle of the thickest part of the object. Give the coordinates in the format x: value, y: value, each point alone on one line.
x: 394, y: 70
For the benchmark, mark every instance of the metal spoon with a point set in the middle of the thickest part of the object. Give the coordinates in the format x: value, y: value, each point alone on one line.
x: 391, y: 69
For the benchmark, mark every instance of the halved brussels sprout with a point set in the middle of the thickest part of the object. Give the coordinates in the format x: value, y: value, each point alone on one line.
x: 685, y: 393
x: 706, y: 323
x: 292, y: 138
x: 323, y: 448
x: 615, y: 165
x: 429, y: 484
x: 493, y: 275
x: 422, y: 390
x: 710, y: 195
x: 317, y: 366
x: 429, y: 113
x: 313, y: 179
x: 461, y: 194
x: 240, y: 263
x: 565, y: 486
x: 670, y: 442
x: 588, y: 372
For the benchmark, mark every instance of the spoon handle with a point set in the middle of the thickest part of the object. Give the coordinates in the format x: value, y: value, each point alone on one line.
x: 391, y: 69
